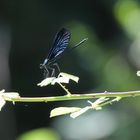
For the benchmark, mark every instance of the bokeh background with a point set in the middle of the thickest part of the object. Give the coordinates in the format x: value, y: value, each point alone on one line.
x: 108, y: 61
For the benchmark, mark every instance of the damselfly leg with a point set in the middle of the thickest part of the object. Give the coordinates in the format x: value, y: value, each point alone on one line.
x: 51, y: 70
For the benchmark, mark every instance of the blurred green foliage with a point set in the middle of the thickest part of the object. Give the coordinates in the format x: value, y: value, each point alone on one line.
x: 40, y: 134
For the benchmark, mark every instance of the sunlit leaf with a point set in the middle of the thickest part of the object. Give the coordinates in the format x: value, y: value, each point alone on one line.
x: 69, y: 76
x: 62, y: 78
x: 11, y: 95
x: 63, y: 110
x: 46, y: 81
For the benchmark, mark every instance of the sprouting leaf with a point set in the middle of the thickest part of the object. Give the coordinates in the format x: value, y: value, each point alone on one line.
x: 117, y: 99
x: 63, y: 110
x: 100, y: 100
x: 96, y: 104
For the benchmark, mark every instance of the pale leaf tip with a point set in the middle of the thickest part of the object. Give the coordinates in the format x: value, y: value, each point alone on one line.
x: 2, y: 102
x: 79, y: 112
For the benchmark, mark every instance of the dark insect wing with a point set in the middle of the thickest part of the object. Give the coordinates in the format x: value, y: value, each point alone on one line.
x: 60, y: 44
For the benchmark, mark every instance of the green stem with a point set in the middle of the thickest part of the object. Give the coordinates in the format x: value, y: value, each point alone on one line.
x: 72, y: 97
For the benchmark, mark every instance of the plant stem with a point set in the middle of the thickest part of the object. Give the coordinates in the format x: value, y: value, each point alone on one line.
x: 72, y: 97
x: 66, y: 90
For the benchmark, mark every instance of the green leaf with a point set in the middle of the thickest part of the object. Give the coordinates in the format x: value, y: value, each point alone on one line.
x: 63, y: 110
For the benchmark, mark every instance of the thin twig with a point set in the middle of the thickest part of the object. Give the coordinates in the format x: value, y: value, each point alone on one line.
x: 65, y: 89
x: 72, y: 97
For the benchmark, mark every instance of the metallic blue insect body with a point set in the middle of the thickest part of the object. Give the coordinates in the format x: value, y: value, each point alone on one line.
x: 60, y: 44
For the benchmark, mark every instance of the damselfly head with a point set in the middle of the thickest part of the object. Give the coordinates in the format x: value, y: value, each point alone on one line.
x: 44, y: 63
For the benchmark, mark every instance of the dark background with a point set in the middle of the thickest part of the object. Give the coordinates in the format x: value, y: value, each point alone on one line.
x: 108, y: 61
